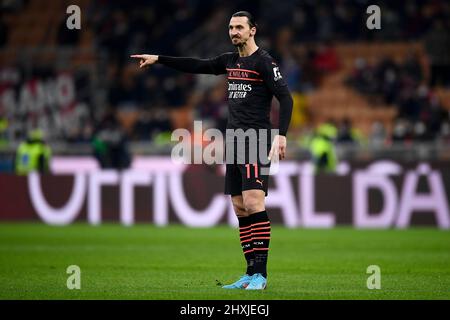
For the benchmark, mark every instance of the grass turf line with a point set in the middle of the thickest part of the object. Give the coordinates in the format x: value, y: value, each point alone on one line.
x: 176, y: 262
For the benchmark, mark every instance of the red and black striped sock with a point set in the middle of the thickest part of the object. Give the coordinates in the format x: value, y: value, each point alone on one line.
x: 260, y: 226
x: 245, y: 234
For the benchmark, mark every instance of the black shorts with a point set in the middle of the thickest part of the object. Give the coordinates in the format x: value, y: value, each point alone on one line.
x: 247, y: 174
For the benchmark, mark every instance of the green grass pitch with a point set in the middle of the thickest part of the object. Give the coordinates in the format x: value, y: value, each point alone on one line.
x: 176, y: 262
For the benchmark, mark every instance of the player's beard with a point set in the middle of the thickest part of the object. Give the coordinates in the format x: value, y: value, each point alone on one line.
x: 239, y: 44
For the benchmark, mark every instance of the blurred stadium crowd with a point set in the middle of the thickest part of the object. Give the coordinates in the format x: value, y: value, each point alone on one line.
x: 80, y: 85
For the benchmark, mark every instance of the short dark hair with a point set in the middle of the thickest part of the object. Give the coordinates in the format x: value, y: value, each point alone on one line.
x: 251, y: 20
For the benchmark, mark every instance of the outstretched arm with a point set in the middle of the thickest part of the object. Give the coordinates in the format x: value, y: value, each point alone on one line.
x: 191, y: 65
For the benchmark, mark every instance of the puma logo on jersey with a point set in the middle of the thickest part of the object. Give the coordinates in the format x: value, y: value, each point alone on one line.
x: 260, y: 182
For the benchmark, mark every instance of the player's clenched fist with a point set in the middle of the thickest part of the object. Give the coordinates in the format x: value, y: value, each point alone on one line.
x: 145, y: 59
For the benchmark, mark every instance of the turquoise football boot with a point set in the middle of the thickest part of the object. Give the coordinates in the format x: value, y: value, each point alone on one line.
x: 240, y: 284
x: 258, y: 282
